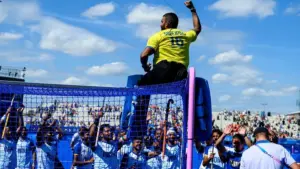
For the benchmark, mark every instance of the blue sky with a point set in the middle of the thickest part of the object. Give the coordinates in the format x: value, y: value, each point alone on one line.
x: 248, y: 50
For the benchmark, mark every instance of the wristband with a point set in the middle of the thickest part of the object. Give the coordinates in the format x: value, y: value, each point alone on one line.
x: 193, y: 10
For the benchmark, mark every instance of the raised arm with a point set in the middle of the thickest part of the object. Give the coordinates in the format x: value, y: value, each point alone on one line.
x: 20, y: 116
x: 243, y: 132
x: 196, y: 20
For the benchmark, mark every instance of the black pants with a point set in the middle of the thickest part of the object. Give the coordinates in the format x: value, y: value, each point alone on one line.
x: 163, y: 72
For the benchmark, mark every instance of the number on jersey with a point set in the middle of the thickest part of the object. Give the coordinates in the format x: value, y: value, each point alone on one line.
x: 177, y: 41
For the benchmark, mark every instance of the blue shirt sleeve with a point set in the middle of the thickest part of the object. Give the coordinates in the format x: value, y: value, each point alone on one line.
x: 77, y: 148
x: 206, y: 150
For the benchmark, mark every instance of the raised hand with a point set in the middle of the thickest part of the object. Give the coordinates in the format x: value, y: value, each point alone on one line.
x: 242, y: 131
x: 228, y: 129
x: 189, y: 4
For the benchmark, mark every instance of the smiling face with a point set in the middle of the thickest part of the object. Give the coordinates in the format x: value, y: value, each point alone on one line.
x: 237, y: 144
x: 215, y: 136
x: 137, y: 145
x: 23, y: 132
x: 106, y: 134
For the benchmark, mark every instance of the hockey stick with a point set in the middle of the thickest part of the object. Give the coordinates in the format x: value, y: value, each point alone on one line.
x: 99, y: 125
x: 7, y: 118
x: 171, y: 101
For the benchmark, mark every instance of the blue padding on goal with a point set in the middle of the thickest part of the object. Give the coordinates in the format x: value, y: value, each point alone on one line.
x: 131, y: 82
x: 203, y: 111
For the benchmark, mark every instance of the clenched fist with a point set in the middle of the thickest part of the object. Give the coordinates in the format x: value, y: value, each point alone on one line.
x: 189, y: 4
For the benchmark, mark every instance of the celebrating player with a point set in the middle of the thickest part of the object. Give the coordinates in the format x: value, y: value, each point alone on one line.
x: 170, y: 47
x: 46, y: 142
x: 25, y: 150
x: 136, y: 158
x: 171, y: 159
x: 105, y: 151
x: 83, y: 154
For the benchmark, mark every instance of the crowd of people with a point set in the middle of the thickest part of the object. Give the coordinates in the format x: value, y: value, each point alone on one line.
x: 96, y: 144
x: 284, y: 126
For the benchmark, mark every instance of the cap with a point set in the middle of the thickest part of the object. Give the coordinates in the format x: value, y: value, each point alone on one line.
x: 260, y: 130
x: 171, y: 130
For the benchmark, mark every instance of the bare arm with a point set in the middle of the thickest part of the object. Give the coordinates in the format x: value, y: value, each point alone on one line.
x: 207, y: 159
x: 295, y: 166
x: 248, y: 141
x: 144, y: 58
x: 76, y: 162
x: 20, y: 116
x: 196, y: 20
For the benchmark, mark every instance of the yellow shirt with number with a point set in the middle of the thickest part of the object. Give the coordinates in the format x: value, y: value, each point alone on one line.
x: 172, y: 45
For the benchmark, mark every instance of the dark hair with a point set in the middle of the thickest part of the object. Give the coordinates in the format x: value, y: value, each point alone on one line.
x: 137, y: 138
x: 104, y: 126
x: 216, y: 131
x: 240, y: 137
x: 83, y: 130
x: 171, y: 19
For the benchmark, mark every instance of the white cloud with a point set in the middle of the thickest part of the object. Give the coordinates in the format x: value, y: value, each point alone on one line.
x: 224, y: 98
x: 145, y: 14
x: 222, y: 40
x: 10, y: 36
x: 220, y: 77
x: 147, y: 21
x: 19, y: 12
x: 201, y: 58
x: 270, y: 93
x: 271, y: 81
x: 230, y: 57
x: 293, y: 9
x: 23, y: 57
x: 291, y: 89
x: 101, y: 9
x: 235, y: 69
x: 72, y: 80
x: 112, y: 69
x: 36, y: 73
x: 244, y: 8
x: 242, y: 75
x: 59, y: 36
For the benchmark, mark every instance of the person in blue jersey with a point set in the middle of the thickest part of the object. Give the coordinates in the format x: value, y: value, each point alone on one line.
x: 232, y: 156
x: 76, y: 137
x: 105, y: 151
x: 171, y: 160
x: 8, y: 143
x: 46, y: 147
x: 136, y: 158
x: 211, y: 156
x: 154, y: 160
x: 25, y: 150
x: 7, y: 150
x: 83, y: 154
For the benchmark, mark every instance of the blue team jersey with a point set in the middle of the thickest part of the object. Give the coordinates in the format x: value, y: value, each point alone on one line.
x: 154, y: 163
x: 46, y: 155
x: 25, y: 148
x: 217, y: 163
x: 171, y: 159
x: 84, y: 153
x: 234, y: 158
x: 76, y: 139
x: 7, y: 154
x: 105, y: 156
x: 136, y: 161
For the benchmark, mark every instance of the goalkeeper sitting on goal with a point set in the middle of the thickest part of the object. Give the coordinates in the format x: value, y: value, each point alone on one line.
x: 170, y: 47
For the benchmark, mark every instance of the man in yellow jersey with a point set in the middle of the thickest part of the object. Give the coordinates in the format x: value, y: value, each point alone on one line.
x: 170, y: 47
